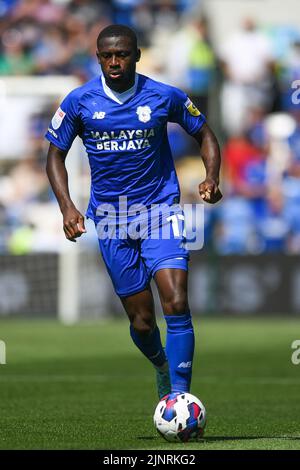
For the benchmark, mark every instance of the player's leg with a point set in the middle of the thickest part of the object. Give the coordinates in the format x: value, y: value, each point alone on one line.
x: 131, y: 283
x: 143, y: 329
x: 166, y: 258
x: 172, y: 287
x: 146, y: 335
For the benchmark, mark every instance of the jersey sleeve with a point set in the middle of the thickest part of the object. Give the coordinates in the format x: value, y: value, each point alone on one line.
x: 184, y: 112
x: 64, y: 125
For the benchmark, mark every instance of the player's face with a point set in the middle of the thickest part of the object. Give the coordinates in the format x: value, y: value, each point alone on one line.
x: 117, y: 57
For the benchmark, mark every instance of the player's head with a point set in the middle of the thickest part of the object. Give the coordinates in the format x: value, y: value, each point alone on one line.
x: 117, y: 53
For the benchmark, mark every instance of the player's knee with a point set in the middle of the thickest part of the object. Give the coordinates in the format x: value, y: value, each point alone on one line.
x: 177, y: 304
x: 143, y: 324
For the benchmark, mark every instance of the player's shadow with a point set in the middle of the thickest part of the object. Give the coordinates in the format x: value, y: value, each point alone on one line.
x: 203, y: 440
x: 245, y: 438
x: 226, y: 438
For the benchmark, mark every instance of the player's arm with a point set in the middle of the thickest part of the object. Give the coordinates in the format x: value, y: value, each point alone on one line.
x: 73, y: 220
x: 211, y: 156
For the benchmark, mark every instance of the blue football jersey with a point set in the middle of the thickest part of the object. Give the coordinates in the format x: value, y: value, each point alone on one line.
x: 127, y: 144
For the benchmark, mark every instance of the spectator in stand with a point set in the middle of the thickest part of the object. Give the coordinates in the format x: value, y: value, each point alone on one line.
x: 123, y: 11
x: 14, y: 57
x: 291, y: 187
x: 247, y: 63
x: 274, y: 226
x: 191, y: 66
x: 143, y: 22
x: 253, y: 184
x: 237, y: 153
x: 90, y: 11
x: 235, y: 231
x: 243, y: 212
x: 294, y: 145
x: 53, y: 52
x: 201, y: 65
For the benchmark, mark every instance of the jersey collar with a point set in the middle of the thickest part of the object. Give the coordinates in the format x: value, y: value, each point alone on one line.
x: 120, y: 98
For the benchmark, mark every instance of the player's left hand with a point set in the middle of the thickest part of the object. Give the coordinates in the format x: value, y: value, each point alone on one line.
x: 209, y: 191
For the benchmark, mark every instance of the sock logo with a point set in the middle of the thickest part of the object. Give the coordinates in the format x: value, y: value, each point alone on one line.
x: 155, y: 355
x: 185, y: 365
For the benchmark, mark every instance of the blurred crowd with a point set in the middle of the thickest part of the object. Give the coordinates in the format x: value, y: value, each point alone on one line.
x: 247, y: 87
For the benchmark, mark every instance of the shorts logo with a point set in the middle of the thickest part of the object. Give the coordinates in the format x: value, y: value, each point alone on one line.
x: 58, y: 118
x: 191, y: 108
x: 144, y: 113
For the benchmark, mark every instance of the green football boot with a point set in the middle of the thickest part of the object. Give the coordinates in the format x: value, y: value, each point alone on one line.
x: 163, y: 380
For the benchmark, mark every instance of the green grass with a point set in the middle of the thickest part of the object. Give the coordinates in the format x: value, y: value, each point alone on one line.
x: 87, y: 387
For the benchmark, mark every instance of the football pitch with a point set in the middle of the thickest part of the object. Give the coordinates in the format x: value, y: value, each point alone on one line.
x: 87, y: 387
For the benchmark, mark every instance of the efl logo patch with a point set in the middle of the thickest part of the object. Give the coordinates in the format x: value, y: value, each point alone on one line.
x: 191, y: 108
x: 144, y: 113
x: 58, y: 118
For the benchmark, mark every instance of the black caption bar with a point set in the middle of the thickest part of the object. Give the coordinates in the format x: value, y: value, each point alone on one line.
x: 137, y: 458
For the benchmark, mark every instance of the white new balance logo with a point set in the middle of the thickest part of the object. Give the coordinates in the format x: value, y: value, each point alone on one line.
x: 185, y: 364
x: 99, y: 115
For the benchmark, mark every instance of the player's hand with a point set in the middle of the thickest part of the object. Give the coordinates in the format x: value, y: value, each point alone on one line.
x: 73, y: 222
x: 209, y: 191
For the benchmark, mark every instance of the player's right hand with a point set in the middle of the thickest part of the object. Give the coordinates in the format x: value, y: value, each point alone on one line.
x: 73, y: 224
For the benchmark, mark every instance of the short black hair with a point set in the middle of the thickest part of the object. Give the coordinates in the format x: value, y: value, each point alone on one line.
x: 117, y: 30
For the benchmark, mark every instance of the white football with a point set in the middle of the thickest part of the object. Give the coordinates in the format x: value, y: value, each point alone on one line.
x: 180, y: 417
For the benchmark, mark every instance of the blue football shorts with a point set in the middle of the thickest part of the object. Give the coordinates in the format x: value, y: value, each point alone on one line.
x: 134, y: 252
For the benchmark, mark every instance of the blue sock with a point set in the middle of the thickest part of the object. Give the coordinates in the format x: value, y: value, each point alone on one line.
x: 180, y: 350
x: 150, y: 345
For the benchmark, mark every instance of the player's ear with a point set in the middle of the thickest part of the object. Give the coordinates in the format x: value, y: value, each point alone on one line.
x: 98, y: 56
x: 138, y: 55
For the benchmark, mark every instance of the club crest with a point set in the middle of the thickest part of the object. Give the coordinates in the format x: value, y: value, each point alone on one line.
x: 144, y: 113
